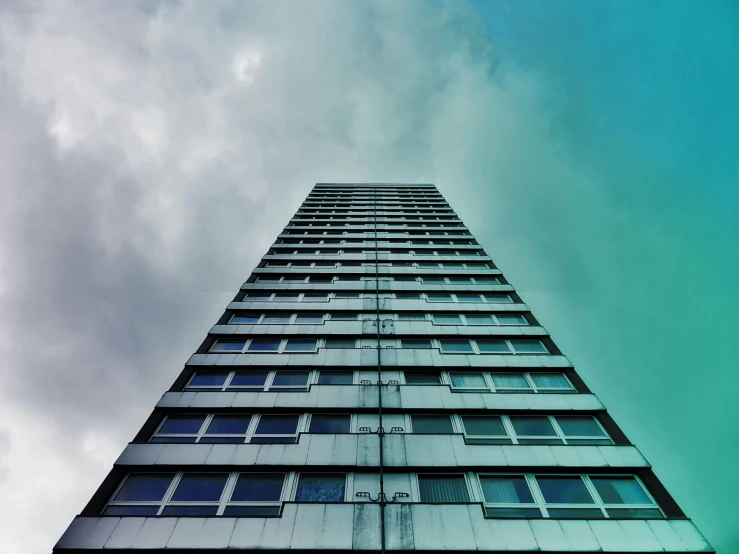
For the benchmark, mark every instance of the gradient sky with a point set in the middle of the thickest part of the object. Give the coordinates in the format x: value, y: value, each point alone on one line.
x: 151, y: 151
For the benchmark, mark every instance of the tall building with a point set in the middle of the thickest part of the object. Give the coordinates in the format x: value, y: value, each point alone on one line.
x: 378, y: 385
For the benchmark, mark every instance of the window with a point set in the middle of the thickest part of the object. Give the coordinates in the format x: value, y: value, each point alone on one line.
x: 345, y: 316
x: 456, y: 346
x: 459, y: 280
x: 485, y: 430
x: 144, y: 490
x: 300, y: 345
x: 438, y: 297
x: 582, y: 430
x: 228, y: 345
x: 329, y: 423
x: 253, y: 491
x: 336, y: 378
x: 248, y: 380
x: 321, y: 487
x: 197, y: 488
x: 551, y: 381
x: 340, y: 343
x: 447, y: 319
x: 534, y: 430
x: 493, y: 346
x: 347, y: 295
x: 244, y: 319
x: 468, y: 380
x: 443, y: 488
x: 276, y: 429
x: 433, y: 280
x: 411, y: 317
x: 512, y: 319
x: 468, y: 297
x: 529, y: 347
x: 408, y: 295
x: 315, y: 319
x: 286, y: 297
x: 290, y: 379
x: 422, y: 378
x: 276, y: 319
x: 315, y: 297
x: 415, y: 343
x: 621, y: 491
x: 227, y: 429
x: 508, y: 496
x: 479, y: 319
x: 437, y: 424
x: 561, y: 492
x: 264, y: 345
x: 497, y: 298
x: 486, y: 280
x: 208, y: 380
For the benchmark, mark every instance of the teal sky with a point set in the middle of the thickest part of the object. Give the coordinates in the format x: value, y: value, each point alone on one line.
x: 151, y: 151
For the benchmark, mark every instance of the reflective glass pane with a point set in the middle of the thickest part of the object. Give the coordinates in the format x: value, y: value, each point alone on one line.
x: 484, y: 425
x: 620, y: 490
x: 291, y: 379
x: 228, y: 424
x: 257, y: 297
x: 182, y: 424
x: 346, y: 316
x: 277, y: 425
x: 454, y: 345
x: 340, y: 343
x: 315, y: 297
x: 498, y: 298
x: 422, y: 378
x: 228, y: 345
x: 550, y: 381
x: 486, y: 280
x: 190, y: 510
x: 479, y: 319
x: 438, y: 297
x: 276, y: 319
x: 511, y: 319
x: 200, y: 487
x: 316, y: 487
x: 443, y: 488
x: 580, y: 426
x: 493, y: 345
x: 506, y: 490
x: 468, y: 380
x: 300, y: 345
x: 528, y: 346
x: 248, y: 379
x: 329, y: 423
x: 208, y: 379
x: 450, y: 319
x: 245, y: 318
x: 510, y: 381
x: 144, y: 487
x: 335, y: 378
x: 264, y: 345
x: 538, y: 426
x: 459, y: 280
x: 564, y: 490
x: 466, y: 297
x: 309, y: 318
x: 286, y: 297
x: 258, y: 487
x: 415, y: 343
x: 441, y: 424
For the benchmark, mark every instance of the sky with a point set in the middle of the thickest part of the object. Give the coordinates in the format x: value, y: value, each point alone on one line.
x: 151, y: 151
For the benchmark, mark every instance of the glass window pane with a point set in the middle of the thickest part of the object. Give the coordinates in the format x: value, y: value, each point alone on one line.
x: 550, y: 381
x: 317, y: 487
x: 245, y: 318
x: 415, y: 343
x: 228, y: 424
x: 450, y: 319
x: 484, y: 425
x: 422, y: 378
x: 459, y: 280
x: 411, y: 317
x: 564, y: 490
x: 190, y: 510
x: 455, y: 345
x: 277, y: 425
x: 580, y: 426
x: 496, y: 346
x: 276, y: 319
x: 182, y: 424
x: 257, y: 297
x: 441, y: 424
x: 479, y: 319
x: 131, y: 510
x: 468, y: 297
x: 510, y: 381
x: 486, y: 280
x: 528, y: 347
x: 200, y: 487
x: 248, y: 379
x: 144, y: 487
x: 291, y: 379
x: 208, y: 379
x: 498, y: 298
x: 309, y: 318
x: 228, y: 345
x: 329, y: 423
x: 315, y: 297
x: 620, y: 490
x: 258, y: 487
x: 286, y: 297
x: 264, y: 345
x: 408, y: 295
x: 511, y: 319
x: 468, y: 380
x: 443, y: 488
x: 300, y: 345
x: 438, y: 297
x: 538, y: 426
x: 336, y: 378
x: 346, y: 316
x: 347, y: 295
x: 506, y: 490
x: 431, y: 279
x: 340, y: 343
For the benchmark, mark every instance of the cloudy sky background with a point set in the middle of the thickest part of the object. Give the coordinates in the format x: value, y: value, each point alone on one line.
x: 151, y: 151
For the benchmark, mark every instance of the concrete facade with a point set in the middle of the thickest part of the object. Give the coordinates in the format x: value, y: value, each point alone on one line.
x: 377, y: 384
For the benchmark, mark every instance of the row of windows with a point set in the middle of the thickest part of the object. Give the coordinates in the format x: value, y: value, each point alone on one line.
x: 300, y: 380
x: 369, y: 205
x: 447, y: 346
x: 290, y: 296
x: 305, y: 318
x: 503, y: 495
x: 371, y: 232
x: 329, y: 279
x: 388, y: 263
x: 371, y: 241
x: 355, y: 251
x: 326, y: 220
x: 285, y: 428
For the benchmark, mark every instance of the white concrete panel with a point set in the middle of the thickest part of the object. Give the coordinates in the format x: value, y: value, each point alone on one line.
x: 223, y: 454
x: 442, y: 527
x: 497, y: 401
x: 323, y: 526
x: 366, y: 482
x: 367, y: 450
x: 246, y: 454
x: 396, y: 482
x: 525, y: 455
x: 337, y: 397
x: 155, y: 533
x: 332, y: 449
x: 500, y: 534
x: 170, y: 399
x: 487, y: 455
x: 368, y: 396
x: 140, y: 454
x: 583, y: 401
x: 249, y: 532
x: 623, y: 456
x: 616, y: 536
x: 578, y: 456
x: 185, y: 399
x: 394, y: 450
x: 690, y: 537
x: 277, y: 532
x: 184, y: 454
x: 88, y: 532
x: 546, y: 401
x: 202, y: 532
x: 284, y: 454
x: 209, y: 399
x: 420, y: 396
x: 564, y: 535
x: 366, y: 531
x: 429, y: 450
x: 125, y: 533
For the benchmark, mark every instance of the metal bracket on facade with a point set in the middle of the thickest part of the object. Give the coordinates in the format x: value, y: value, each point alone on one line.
x: 381, y: 497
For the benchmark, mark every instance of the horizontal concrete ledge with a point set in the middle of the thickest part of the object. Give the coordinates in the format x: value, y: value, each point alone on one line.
x: 409, y: 527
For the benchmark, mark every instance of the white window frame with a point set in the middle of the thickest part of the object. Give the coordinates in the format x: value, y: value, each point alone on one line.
x: 490, y: 384
x: 416, y: 488
x: 247, y: 436
x: 515, y: 438
x: 268, y: 383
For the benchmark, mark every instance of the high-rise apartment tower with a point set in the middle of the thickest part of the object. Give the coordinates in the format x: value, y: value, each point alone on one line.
x: 378, y: 385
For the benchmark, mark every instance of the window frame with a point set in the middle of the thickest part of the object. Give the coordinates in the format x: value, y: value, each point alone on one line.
x: 267, y: 387
x: 248, y: 435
